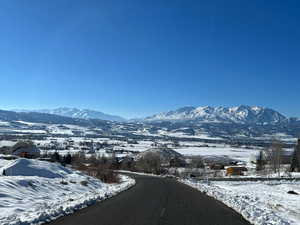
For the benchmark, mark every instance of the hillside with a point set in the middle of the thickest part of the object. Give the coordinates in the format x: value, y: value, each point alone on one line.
x: 26, y: 188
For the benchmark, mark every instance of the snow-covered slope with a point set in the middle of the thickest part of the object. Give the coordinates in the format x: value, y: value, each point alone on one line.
x: 79, y: 113
x: 240, y: 114
x: 35, y: 192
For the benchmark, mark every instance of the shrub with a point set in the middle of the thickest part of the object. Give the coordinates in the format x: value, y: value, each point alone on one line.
x: 107, y: 175
x: 84, y: 183
x: 64, y: 182
x: 101, y: 168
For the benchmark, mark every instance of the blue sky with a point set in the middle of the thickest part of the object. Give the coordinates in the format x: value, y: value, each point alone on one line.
x: 135, y: 58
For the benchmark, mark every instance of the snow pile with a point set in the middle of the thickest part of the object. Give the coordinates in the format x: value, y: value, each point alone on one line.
x: 51, y: 192
x: 261, y: 203
x: 3, y: 162
x: 25, y: 167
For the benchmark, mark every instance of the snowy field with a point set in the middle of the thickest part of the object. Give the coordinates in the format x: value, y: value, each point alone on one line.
x: 261, y: 203
x: 7, y: 143
x: 34, y: 192
x: 181, y: 134
x: 240, y: 154
x: 187, y: 148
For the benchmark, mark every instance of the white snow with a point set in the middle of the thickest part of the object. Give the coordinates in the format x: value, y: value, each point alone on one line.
x: 3, y: 162
x: 25, y: 167
x: 240, y: 154
x: 35, y: 193
x: 26, y: 131
x: 179, y: 134
x: 29, y: 123
x: 261, y: 203
x: 7, y: 143
x: 4, y: 123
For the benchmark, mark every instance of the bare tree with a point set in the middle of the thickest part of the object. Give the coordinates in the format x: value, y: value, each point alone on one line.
x: 78, y: 159
x: 197, y: 162
x: 260, y: 161
x: 102, y: 167
x: 149, y: 163
x: 274, y: 155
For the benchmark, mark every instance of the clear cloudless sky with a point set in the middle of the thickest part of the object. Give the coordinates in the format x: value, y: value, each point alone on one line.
x: 138, y: 57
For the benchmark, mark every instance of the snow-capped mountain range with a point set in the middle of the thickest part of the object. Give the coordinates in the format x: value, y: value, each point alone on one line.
x: 223, y: 122
x: 241, y: 114
x: 78, y: 113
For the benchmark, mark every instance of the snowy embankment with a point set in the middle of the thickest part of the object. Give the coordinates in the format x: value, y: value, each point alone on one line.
x: 35, y: 192
x: 261, y: 203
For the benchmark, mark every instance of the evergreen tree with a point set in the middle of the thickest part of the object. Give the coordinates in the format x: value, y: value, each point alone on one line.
x: 260, y: 162
x: 55, y: 157
x: 295, y: 164
x: 68, y: 159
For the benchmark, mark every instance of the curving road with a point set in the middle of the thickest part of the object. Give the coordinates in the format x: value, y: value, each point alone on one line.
x: 156, y: 201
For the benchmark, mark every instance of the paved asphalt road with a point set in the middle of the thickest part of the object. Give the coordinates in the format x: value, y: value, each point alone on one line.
x: 156, y: 201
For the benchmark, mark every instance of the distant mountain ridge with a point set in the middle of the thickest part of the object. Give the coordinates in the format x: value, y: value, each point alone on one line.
x: 36, y: 117
x: 240, y: 114
x: 78, y: 113
x: 240, y: 123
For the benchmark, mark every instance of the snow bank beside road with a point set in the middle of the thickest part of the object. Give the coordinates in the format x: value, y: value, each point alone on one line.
x: 261, y: 203
x: 52, y: 191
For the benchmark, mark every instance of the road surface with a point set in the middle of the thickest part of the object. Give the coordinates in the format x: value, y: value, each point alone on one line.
x: 156, y: 201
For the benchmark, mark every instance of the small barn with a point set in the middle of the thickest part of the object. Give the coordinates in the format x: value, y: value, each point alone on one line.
x: 216, y: 166
x: 236, y: 170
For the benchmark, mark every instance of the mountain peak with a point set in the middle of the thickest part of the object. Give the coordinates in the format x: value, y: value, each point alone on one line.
x: 79, y: 113
x: 239, y: 114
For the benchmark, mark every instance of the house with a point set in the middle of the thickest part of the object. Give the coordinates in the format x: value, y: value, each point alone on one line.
x: 192, y: 172
x: 235, y: 170
x: 25, y: 150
